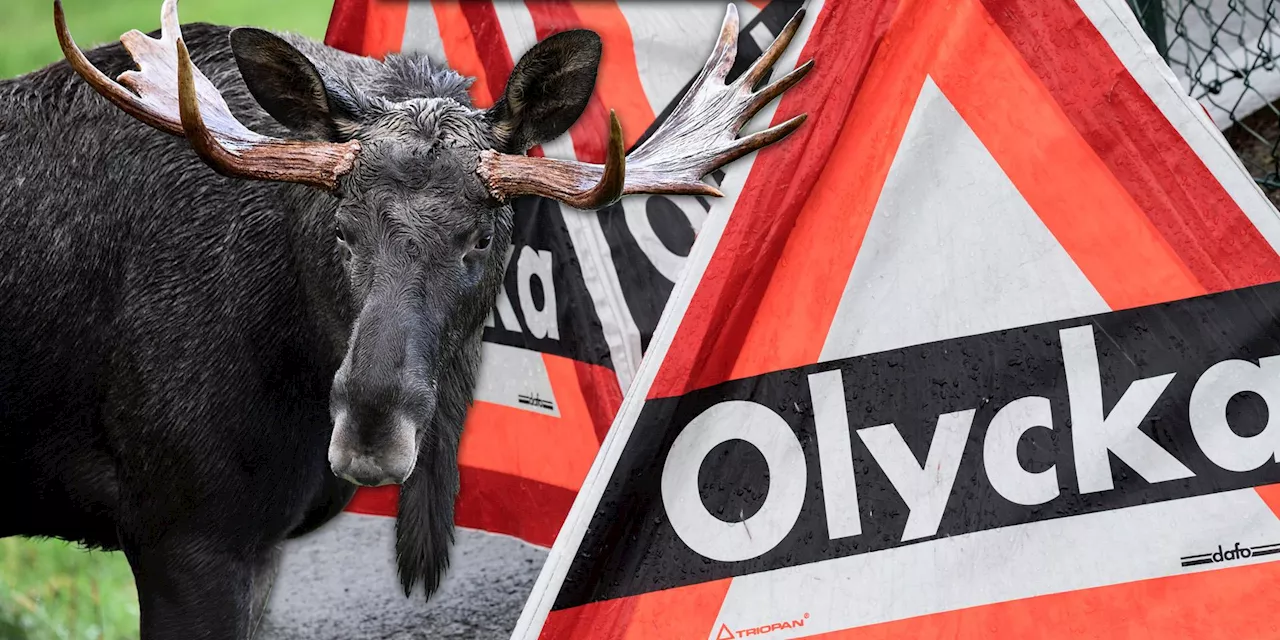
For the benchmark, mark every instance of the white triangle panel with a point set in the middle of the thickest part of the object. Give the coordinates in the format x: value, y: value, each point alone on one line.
x: 952, y: 248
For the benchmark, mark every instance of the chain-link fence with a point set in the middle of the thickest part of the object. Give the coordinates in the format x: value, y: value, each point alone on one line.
x: 1225, y: 53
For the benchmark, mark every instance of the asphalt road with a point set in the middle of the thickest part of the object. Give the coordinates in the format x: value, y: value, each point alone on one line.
x: 339, y: 582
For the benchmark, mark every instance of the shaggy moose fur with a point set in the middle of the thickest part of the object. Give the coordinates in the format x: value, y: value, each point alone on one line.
x: 176, y: 345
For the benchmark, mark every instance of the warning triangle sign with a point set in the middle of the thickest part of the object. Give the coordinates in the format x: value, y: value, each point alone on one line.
x: 960, y: 352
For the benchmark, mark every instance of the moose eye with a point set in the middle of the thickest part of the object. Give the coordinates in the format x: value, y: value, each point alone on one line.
x: 484, y: 240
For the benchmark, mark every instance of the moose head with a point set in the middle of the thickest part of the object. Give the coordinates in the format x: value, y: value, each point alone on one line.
x: 422, y: 187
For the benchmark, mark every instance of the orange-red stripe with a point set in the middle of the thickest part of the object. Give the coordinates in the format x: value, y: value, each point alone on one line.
x: 1227, y: 604
x: 618, y: 85
x: 460, y: 49
x: 1147, y: 154
x: 384, y: 27
x: 346, y: 25
x: 490, y: 43
x: 1270, y: 494
x: 789, y: 329
x: 556, y: 451
x: 375, y: 501
x: 489, y: 500
x: 1082, y: 203
x: 601, y: 393
x: 506, y: 504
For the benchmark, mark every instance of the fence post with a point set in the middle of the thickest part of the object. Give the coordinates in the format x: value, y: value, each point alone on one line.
x: 1151, y: 16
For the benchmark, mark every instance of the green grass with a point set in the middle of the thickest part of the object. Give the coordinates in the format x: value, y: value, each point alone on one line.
x: 50, y: 590
x: 27, y: 41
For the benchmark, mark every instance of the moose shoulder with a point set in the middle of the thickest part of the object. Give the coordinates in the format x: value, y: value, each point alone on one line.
x: 252, y: 273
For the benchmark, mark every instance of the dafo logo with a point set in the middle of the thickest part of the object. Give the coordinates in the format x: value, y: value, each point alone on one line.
x: 726, y: 633
x: 1231, y: 554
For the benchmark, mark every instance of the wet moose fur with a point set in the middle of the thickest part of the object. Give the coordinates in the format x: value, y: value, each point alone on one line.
x: 169, y: 337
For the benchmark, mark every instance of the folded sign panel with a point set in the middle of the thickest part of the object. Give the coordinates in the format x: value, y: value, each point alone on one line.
x: 990, y: 349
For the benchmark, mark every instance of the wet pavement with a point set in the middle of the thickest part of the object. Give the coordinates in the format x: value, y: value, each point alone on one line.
x: 340, y: 582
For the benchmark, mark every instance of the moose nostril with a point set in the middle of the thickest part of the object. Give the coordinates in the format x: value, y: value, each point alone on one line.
x: 367, y: 471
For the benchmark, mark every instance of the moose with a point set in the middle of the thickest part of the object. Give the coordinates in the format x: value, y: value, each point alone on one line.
x: 203, y: 354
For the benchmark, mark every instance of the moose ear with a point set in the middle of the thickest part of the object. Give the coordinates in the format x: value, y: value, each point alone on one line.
x: 547, y: 90
x: 284, y: 82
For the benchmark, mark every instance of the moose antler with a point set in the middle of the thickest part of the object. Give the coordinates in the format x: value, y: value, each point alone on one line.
x: 169, y: 93
x: 698, y: 137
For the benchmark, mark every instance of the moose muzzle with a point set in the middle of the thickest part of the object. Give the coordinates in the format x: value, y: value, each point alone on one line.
x: 383, y: 395
x: 389, y: 461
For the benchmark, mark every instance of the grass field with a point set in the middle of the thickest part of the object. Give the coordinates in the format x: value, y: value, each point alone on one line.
x: 27, y: 41
x: 50, y: 590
